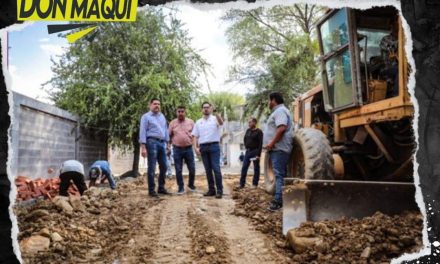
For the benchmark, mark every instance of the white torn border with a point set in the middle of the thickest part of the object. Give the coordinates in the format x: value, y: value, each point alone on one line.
x: 243, y: 5
x: 8, y: 82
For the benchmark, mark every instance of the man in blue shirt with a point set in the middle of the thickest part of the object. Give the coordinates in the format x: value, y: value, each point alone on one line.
x: 153, y: 137
x: 101, y: 168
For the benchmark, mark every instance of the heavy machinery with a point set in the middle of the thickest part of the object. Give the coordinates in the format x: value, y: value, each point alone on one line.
x: 354, y: 143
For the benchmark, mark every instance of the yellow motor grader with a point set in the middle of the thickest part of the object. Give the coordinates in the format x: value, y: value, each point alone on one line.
x: 353, y: 142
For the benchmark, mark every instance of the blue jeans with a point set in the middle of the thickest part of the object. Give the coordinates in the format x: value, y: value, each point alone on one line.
x: 184, y: 154
x: 111, y: 180
x: 211, y: 162
x: 246, y: 162
x: 279, y: 163
x: 156, y: 153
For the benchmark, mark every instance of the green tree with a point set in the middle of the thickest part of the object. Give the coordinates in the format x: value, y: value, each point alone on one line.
x: 220, y: 101
x: 109, y: 81
x: 273, y: 50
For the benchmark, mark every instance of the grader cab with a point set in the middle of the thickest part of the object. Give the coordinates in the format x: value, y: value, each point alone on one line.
x: 354, y: 143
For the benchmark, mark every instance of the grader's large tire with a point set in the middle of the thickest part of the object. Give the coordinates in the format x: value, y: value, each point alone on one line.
x: 311, y: 158
x: 311, y: 155
x: 269, y: 176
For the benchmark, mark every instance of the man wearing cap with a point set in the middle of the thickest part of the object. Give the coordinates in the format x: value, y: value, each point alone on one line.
x: 101, y: 168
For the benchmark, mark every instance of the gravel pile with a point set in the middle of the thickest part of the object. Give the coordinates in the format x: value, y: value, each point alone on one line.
x: 375, y: 239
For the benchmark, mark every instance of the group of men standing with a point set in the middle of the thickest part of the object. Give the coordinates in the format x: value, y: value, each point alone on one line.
x: 183, y: 135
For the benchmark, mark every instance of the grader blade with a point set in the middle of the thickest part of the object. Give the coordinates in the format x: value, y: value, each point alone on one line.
x: 316, y: 200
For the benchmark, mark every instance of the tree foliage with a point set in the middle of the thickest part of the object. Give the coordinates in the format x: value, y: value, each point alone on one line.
x: 220, y: 101
x: 109, y: 81
x: 273, y: 50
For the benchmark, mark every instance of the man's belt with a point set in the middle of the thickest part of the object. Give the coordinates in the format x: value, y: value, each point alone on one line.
x: 182, y: 147
x: 155, y: 138
x: 252, y: 149
x: 209, y: 143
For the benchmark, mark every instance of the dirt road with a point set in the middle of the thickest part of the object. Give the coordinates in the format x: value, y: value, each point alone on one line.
x: 127, y: 226
x: 191, y: 228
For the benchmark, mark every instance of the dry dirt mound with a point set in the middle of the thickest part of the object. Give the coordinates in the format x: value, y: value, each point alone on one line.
x: 207, y: 246
x: 253, y: 203
x: 90, y: 229
x: 374, y: 239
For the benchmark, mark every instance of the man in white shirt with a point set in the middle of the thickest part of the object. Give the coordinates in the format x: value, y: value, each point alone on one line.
x: 206, y: 143
x: 72, y: 170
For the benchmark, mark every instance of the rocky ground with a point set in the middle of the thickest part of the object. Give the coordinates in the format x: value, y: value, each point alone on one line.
x: 126, y: 226
x: 375, y: 239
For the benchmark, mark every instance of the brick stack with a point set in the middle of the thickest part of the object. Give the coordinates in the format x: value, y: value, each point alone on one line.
x: 29, y: 189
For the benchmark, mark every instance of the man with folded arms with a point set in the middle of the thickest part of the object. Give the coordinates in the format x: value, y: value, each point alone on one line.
x: 253, y: 141
x: 206, y: 142
x: 180, y: 130
x: 153, y: 137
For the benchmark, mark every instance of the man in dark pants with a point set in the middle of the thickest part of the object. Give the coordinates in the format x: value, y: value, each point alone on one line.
x: 101, y: 168
x: 253, y: 142
x: 206, y: 142
x: 180, y: 130
x: 278, y: 141
x: 72, y: 170
x: 153, y: 137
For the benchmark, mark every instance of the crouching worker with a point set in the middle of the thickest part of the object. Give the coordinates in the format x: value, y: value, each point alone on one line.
x: 72, y: 170
x: 99, y: 171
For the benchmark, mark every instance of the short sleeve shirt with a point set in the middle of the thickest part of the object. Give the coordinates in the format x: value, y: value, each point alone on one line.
x: 180, y: 132
x: 207, y: 130
x: 280, y: 116
x: 72, y: 165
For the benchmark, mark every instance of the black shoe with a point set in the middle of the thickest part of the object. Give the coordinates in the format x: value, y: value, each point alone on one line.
x: 153, y: 194
x: 275, y: 206
x: 218, y: 195
x: 165, y: 192
x: 192, y: 188
x: 209, y: 193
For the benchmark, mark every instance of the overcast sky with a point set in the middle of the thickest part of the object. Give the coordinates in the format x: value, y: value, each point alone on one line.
x: 31, y: 50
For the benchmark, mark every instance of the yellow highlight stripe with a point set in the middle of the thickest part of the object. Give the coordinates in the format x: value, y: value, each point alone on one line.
x: 77, y: 10
x: 77, y: 35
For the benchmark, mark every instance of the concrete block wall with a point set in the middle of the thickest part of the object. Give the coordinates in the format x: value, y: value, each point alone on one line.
x: 91, y: 147
x: 43, y: 136
x: 121, y: 161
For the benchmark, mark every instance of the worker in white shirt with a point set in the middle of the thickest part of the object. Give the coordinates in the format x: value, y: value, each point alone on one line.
x: 206, y: 143
x: 72, y: 170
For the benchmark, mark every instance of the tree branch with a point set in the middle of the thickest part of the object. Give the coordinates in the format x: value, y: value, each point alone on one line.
x: 267, y: 25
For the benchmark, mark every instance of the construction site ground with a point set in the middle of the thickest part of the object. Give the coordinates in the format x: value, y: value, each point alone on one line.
x: 127, y: 226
